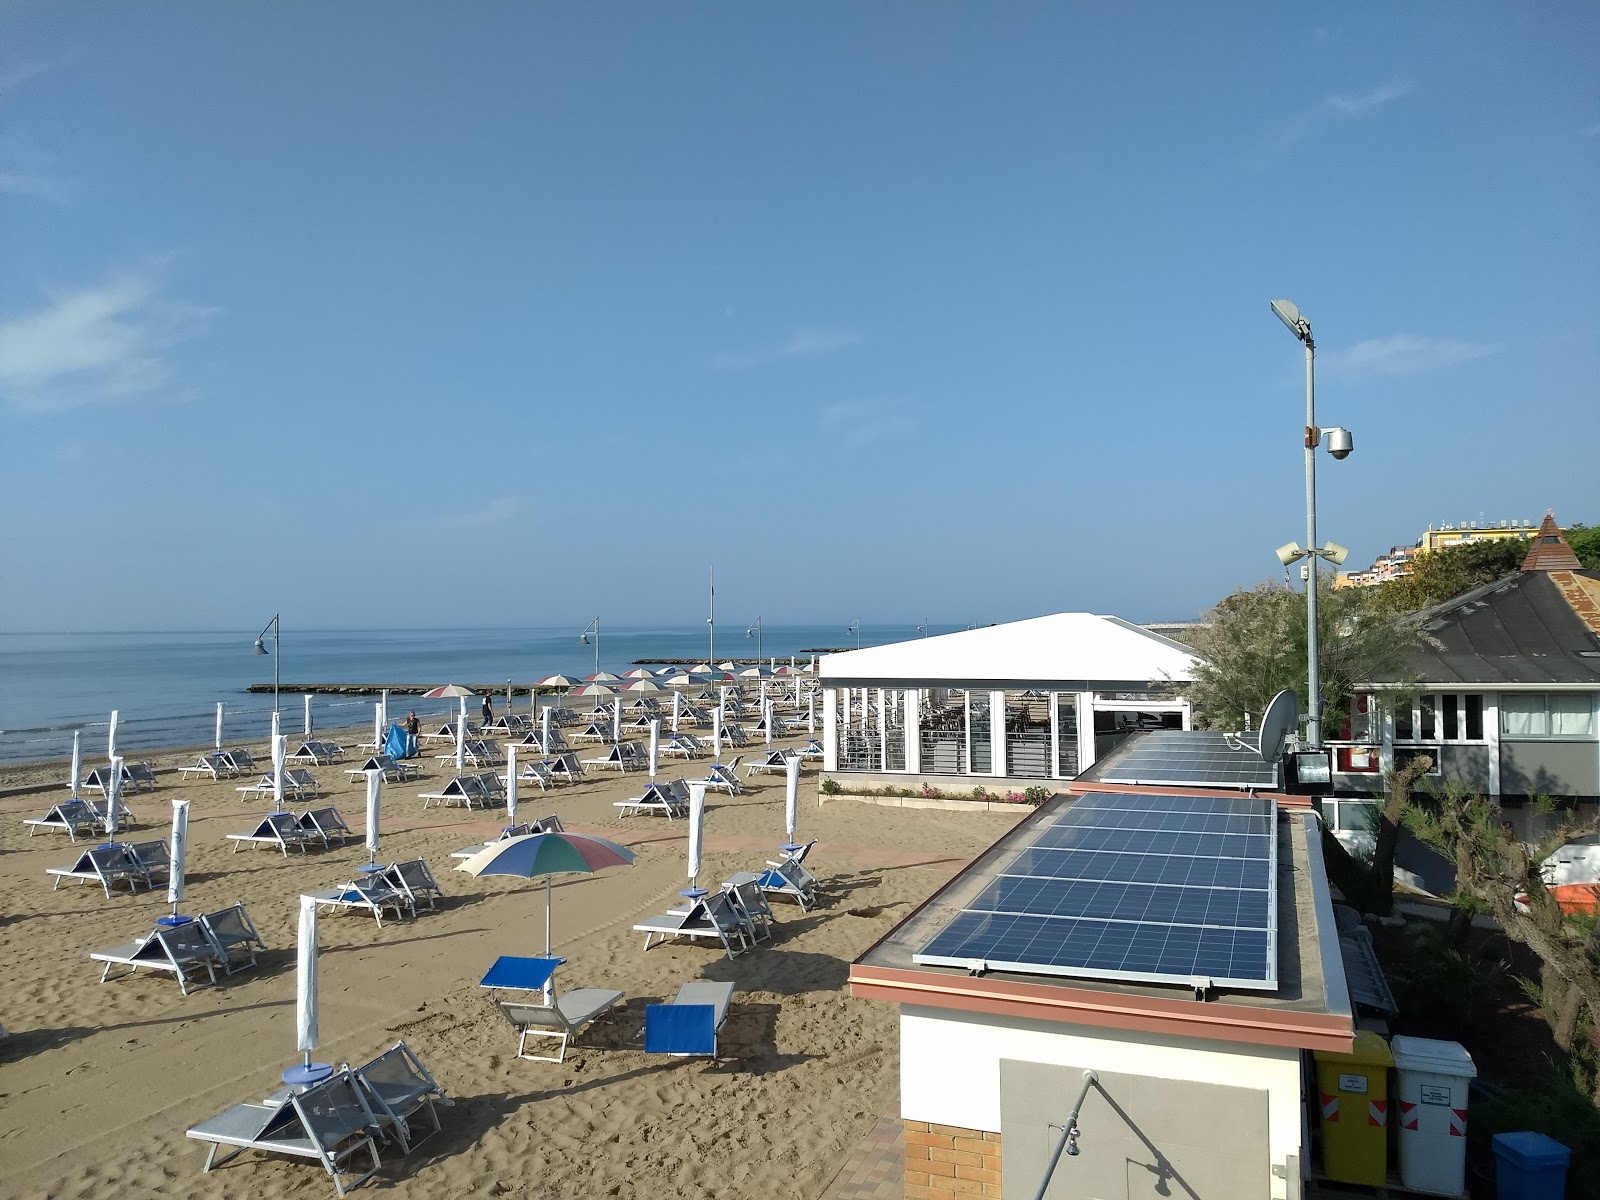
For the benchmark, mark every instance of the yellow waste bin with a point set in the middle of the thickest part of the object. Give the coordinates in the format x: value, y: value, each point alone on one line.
x: 1353, y: 1090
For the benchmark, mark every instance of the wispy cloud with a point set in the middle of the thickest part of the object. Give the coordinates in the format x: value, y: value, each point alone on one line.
x: 1405, y: 354
x: 32, y: 184
x: 497, y: 511
x: 14, y: 74
x: 803, y: 343
x: 1591, y: 131
x: 1341, y: 107
x: 93, y: 346
x: 854, y: 426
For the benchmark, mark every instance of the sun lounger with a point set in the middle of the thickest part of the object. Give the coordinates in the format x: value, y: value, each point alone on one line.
x: 713, y: 917
x: 550, y: 824
x: 476, y: 753
x: 469, y: 791
x: 623, y: 756
x: 298, y: 784
x: 735, y: 735
x: 330, y: 1122
x: 688, y: 1026
x: 750, y: 902
x: 239, y: 760
x: 317, y: 754
x: 668, y: 799
x: 565, y: 766
x: 154, y: 857
x: 214, y: 765
x: 594, y: 731
x: 726, y: 776
x: 812, y: 749
x: 772, y: 760
x: 394, y: 771
x: 683, y: 745
x: 537, y: 772
x: 415, y: 880
x: 106, y: 865
x: 788, y: 878
x: 445, y: 733
x: 280, y: 829
x: 398, y: 1088
x: 534, y: 1009
x: 372, y: 895
x: 325, y: 823
x: 178, y: 949
x: 75, y: 816
x: 235, y: 935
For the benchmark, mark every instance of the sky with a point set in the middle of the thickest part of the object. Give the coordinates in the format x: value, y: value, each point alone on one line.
x: 502, y: 314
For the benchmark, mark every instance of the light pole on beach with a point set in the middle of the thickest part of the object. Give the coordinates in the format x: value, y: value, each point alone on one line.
x: 755, y: 632
x: 855, y: 628
x: 1339, y: 445
x: 583, y: 640
x: 923, y: 628
x: 277, y: 654
x: 711, y: 622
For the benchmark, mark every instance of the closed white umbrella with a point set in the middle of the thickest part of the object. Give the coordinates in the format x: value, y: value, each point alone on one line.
x: 180, y: 847
x: 716, y: 737
x: 722, y: 702
x: 677, y: 703
x: 461, y: 738
x: 377, y: 728
x: 766, y: 719
x: 374, y: 804
x: 111, y: 736
x: 383, y: 703
x: 763, y: 697
x: 544, y: 729
x: 113, y: 799
x: 305, y: 724
x: 305, y: 997
x: 655, y: 745
x: 697, y: 820
x: 791, y: 800
x: 511, y: 784
x: 811, y: 711
x: 616, y: 722
x: 280, y: 752
x: 218, y: 740
x: 77, y: 761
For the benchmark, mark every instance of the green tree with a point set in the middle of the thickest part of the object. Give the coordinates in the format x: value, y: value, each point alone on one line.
x: 1253, y: 645
x: 1585, y: 543
x: 1446, y: 574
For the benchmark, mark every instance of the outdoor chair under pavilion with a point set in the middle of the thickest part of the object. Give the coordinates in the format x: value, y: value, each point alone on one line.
x: 398, y: 1088
x: 107, y: 865
x: 688, y: 1027
x: 176, y: 949
x: 667, y: 799
x: 534, y: 1008
x: 713, y: 917
x: 330, y: 1122
x: 74, y: 816
x: 280, y: 829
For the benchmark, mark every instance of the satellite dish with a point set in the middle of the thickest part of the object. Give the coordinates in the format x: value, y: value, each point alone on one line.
x: 1282, y: 715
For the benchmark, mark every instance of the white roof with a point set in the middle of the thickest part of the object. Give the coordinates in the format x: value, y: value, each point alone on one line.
x: 1067, y: 648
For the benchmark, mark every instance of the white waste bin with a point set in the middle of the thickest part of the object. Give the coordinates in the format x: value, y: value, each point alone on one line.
x: 1432, y: 1097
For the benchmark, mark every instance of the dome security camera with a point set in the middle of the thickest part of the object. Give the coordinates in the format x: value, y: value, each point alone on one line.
x: 1340, y: 443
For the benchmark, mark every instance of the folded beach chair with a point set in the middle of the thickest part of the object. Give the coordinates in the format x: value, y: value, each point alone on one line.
x: 239, y: 760
x: 683, y: 745
x: 735, y: 735
x: 668, y: 799
x: 537, y: 772
x: 280, y: 829
x: 178, y: 949
x: 106, y: 865
x: 468, y: 791
x: 594, y: 731
x: 692, y: 714
x: 688, y: 1026
x: 234, y: 934
x: 330, y: 1122
x: 215, y: 765
x: 415, y: 880
x: 565, y: 766
x: 726, y: 776
x: 398, y: 1088
x: 510, y: 723
x: 750, y: 902
x: 713, y: 917
x: 154, y: 857
x: 75, y: 816
x: 394, y: 771
x: 771, y: 760
x: 318, y: 754
x: 325, y: 823
x: 372, y: 895
x: 812, y: 749
x: 788, y: 878
x: 623, y: 756
x: 445, y: 733
x: 534, y: 1009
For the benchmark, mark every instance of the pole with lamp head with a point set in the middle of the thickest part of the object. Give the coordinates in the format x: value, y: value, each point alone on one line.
x: 277, y: 654
x: 583, y: 640
x: 755, y: 631
x: 711, y: 623
x: 855, y: 628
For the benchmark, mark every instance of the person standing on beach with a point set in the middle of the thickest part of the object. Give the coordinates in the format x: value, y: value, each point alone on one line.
x: 413, y: 726
x: 488, y: 710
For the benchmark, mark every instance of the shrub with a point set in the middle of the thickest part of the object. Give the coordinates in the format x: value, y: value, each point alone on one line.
x: 980, y: 793
x: 830, y: 787
x: 1015, y: 797
x: 929, y: 792
x: 1036, y: 795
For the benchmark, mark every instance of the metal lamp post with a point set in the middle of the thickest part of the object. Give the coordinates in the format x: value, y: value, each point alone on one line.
x: 277, y: 654
x: 583, y: 640
x: 711, y: 623
x: 755, y: 632
x: 855, y: 628
x: 1339, y: 445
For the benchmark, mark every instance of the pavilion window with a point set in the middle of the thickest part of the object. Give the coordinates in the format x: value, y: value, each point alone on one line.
x: 1027, y: 717
x: 1066, y: 734
x: 979, y: 752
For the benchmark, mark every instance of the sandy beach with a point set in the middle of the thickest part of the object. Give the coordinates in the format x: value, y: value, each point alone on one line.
x: 102, y: 1079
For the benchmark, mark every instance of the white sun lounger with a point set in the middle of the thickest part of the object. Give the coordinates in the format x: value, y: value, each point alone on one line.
x: 713, y: 917
x: 668, y: 799
x: 688, y: 1027
x: 623, y: 756
x: 565, y: 766
x: 330, y: 1122
x: 415, y: 880
x: 726, y: 776
x: 153, y: 856
x: 550, y: 824
x: 549, y: 1015
x: 74, y: 816
x: 318, y: 754
x: 214, y: 765
x: 235, y: 935
x: 469, y: 791
x: 106, y: 865
x: 177, y: 949
x: 594, y: 731
x: 394, y: 771
x: 772, y: 760
x: 750, y: 902
x: 683, y: 745
x: 371, y: 895
x: 298, y: 784
x: 325, y: 823
x: 239, y: 760
x: 280, y: 829
x: 398, y: 1087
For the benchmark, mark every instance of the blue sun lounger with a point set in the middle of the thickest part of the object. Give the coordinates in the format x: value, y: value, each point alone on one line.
x: 688, y: 1026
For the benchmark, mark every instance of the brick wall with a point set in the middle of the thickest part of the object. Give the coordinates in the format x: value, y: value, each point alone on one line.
x: 943, y: 1161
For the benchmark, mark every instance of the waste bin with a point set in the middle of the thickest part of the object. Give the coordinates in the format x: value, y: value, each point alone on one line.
x: 1354, y: 1092
x: 1432, y: 1094
x: 1530, y: 1166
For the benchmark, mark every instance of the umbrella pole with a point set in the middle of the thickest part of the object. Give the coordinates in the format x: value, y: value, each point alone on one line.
x: 547, y: 916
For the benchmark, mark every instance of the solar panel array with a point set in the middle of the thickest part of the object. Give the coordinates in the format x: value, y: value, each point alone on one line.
x: 1190, y: 758
x: 1135, y: 887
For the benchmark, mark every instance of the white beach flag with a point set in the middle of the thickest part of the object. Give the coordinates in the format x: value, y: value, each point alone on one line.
x: 716, y: 737
x: 511, y: 784
x: 180, y: 847
x: 114, y: 800
x: 461, y: 737
x: 77, y: 761
x: 305, y: 724
x: 791, y: 793
x: 111, y: 736
x: 655, y: 745
x: 280, y: 752
x: 305, y: 997
x: 697, y: 820
x: 677, y: 703
x: 218, y: 745
x: 374, y: 801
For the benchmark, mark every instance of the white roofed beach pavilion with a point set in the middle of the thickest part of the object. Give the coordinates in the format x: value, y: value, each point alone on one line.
x: 1030, y: 700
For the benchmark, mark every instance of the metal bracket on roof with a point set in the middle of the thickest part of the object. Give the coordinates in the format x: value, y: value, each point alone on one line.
x: 1204, y: 988
x: 977, y: 967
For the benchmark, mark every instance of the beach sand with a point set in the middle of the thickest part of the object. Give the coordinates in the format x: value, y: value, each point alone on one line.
x: 101, y: 1080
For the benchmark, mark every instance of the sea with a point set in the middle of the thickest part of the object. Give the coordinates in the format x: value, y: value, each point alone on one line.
x: 165, y: 687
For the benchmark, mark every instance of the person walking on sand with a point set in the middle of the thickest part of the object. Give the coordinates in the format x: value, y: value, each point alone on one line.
x: 488, y: 711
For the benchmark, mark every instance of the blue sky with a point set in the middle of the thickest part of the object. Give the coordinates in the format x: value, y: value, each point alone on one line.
x: 491, y: 314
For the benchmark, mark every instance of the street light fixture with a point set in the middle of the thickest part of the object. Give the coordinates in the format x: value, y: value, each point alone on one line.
x: 755, y: 632
x: 855, y: 628
x: 923, y: 628
x: 277, y: 654
x: 1340, y: 445
x: 711, y: 622
x: 583, y: 640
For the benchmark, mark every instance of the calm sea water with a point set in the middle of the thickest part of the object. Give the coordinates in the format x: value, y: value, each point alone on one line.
x: 166, y: 686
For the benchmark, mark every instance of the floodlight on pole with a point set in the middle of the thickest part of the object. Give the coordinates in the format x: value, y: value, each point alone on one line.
x: 755, y: 632
x: 711, y: 621
x: 583, y: 640
x: 277, y: 654
x: 855, y: 628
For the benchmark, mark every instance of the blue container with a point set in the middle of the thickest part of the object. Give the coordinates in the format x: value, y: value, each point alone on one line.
x: 1530, y: 1166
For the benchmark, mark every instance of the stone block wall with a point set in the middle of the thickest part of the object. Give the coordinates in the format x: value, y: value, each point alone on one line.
x: 946, y: 1161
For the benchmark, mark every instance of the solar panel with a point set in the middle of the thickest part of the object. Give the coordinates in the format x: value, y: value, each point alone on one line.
x: 1131, y: 886
x: 1189, y: 758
